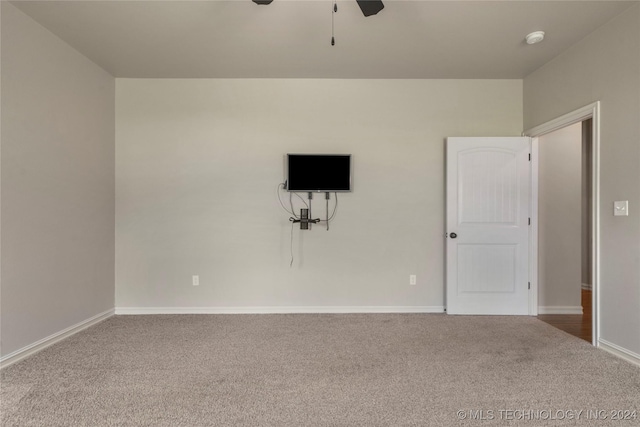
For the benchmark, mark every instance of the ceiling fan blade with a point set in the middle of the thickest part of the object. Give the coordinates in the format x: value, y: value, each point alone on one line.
x: 370, y: 7
x: 262, y: 1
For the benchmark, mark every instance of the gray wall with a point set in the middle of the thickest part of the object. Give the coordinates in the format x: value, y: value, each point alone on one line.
x: 198, y: 162
x: 57, y: 184
x: 605, y: 66
x: 587, y: 201
x: 559, y: 219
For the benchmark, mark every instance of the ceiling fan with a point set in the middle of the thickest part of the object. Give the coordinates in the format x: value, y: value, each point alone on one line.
x: 368, y: 7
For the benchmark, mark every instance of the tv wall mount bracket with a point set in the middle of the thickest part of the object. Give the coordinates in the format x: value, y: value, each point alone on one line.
x: 304, y: 219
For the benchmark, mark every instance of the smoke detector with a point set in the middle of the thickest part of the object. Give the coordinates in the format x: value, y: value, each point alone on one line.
x: 535, y: 37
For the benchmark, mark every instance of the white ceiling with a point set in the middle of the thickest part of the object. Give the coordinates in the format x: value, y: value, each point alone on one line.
x: 291, y: 39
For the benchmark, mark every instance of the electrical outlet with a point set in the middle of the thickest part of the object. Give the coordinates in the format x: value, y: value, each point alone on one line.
x: 412, y: 279
x: 195, y: 280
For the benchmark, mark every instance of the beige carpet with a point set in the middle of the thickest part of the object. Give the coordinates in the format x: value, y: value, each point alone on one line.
x: 319, y: 370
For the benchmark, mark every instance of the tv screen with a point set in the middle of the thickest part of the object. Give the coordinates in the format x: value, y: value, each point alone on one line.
x: 319, y: 172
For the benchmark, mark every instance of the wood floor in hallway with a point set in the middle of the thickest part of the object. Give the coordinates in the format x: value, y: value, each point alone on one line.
x: 574, y: 324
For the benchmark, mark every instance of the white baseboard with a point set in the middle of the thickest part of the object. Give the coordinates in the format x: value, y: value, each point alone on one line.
x: 560, y: 309
x: 279, y: 310
x: 586, y: 286
x: 621, y: 352
x: 27, y: 351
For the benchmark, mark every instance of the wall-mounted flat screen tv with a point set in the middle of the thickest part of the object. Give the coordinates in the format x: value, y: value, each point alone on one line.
x: 318, y: 172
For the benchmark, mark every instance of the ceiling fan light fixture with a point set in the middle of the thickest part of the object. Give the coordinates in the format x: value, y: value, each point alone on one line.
x: 370, y: 7
x: 535, y: 37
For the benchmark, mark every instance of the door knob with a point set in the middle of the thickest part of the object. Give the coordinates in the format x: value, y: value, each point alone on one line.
x: 453, y: 235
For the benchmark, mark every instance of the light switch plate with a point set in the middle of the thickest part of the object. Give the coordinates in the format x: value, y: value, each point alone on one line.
x: 621, y: 208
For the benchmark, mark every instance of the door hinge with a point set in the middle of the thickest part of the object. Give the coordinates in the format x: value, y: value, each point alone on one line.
x: 529, y: 221
x: 529, y: 287
x: 529, y: 156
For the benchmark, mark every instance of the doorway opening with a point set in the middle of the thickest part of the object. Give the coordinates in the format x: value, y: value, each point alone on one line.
x: 564, y: 228
x: 564, y: 267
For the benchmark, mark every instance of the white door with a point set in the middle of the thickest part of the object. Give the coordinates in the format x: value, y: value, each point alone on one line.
x: 488, y: 181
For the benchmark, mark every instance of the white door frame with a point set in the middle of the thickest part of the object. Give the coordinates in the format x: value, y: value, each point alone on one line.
x: 591, y: 111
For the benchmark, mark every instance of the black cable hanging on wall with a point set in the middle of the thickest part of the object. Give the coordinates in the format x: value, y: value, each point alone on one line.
x: 333, y: 12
